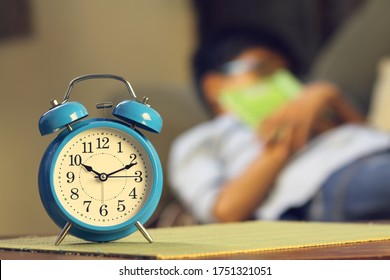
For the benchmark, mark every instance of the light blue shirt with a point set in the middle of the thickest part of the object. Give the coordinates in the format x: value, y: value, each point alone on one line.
x: 212, y: 153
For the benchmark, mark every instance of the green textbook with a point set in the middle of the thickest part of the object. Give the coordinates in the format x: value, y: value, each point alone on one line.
x: 255, y: 103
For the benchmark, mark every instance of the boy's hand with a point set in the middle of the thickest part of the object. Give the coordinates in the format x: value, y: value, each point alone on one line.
x: 304, y: 117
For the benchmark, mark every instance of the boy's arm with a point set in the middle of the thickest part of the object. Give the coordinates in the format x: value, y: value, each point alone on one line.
x: 321, y: 106
x: 241, y: 196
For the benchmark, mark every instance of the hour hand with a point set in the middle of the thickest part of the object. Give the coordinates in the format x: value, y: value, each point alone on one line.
x: 90, y: 169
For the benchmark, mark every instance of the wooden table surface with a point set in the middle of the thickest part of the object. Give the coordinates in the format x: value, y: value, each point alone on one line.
x: 365, y: 250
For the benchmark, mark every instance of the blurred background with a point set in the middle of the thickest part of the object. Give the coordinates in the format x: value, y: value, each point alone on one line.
x: 44, y: 44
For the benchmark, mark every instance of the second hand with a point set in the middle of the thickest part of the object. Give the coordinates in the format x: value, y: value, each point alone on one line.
x: 102, y: 192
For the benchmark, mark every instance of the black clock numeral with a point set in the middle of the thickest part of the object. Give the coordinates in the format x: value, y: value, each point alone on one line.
x: 133, y: 194
x: 102, y: 143
x: 138, y: 176
x: 70, y: 176
x: 88, y: 203
x: 103, y: 210
x: 121, y: 207
x: 87, y: 147
x: 133, y: 157
x: 120, y: 147
x: 75, y: 193
x: 75, y: 160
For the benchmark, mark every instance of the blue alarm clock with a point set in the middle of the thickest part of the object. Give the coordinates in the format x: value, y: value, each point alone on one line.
x: 100, y: 179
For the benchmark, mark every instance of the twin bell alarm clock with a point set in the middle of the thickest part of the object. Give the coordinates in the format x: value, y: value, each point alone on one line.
x: 100, y: 179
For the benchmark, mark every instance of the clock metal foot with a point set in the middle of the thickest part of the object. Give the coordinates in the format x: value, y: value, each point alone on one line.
x: 142, y: 229
x: 63, y: 233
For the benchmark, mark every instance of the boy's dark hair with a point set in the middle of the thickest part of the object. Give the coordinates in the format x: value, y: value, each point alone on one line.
x: 228, y: 43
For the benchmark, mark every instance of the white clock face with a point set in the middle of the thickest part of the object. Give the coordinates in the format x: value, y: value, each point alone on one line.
x: 103, y: 176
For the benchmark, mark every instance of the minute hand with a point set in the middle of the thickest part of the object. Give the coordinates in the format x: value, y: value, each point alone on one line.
x: 124, y: 168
